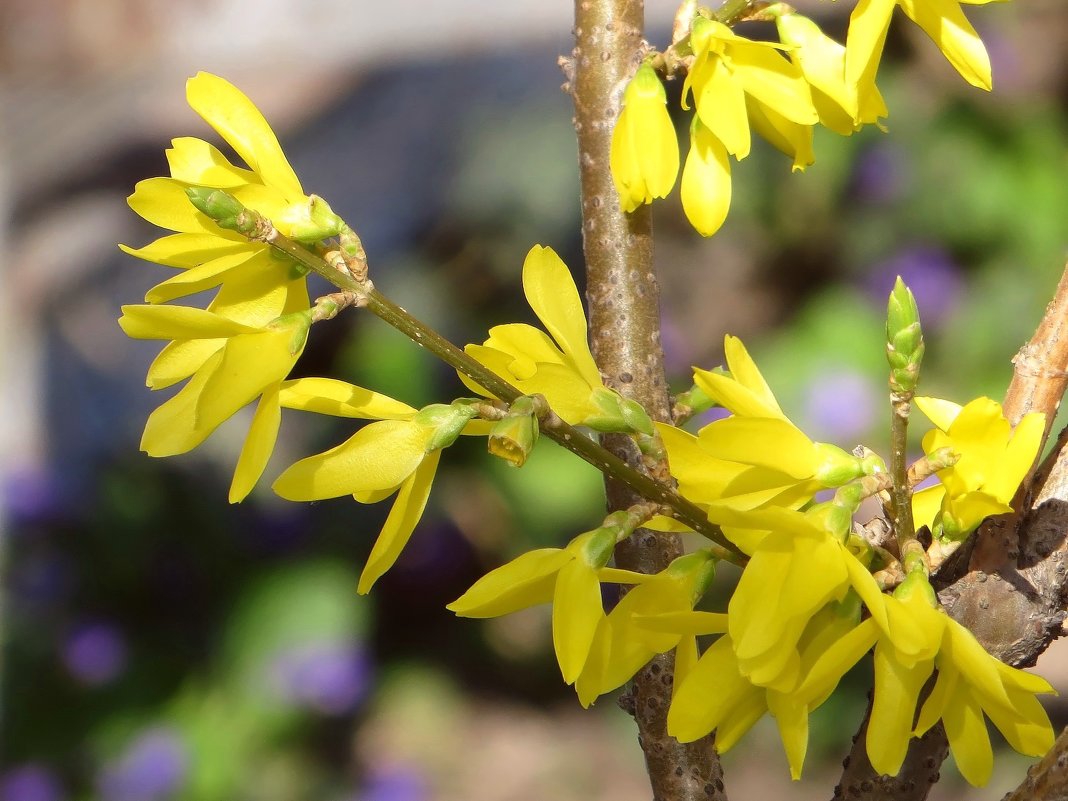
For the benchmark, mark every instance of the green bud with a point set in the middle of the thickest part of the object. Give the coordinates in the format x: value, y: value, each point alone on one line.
x: 513, y: 437
x: 836, y: 466
x: 916, y: 582
x: 695, y: 400
x: 447, y: 421
x: 314, y: 222
x: 616, y: 414
x: 225, y: 209
x: 698, y: 567
x: 904, y: 338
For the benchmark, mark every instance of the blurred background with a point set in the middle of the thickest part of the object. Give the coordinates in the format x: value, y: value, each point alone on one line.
x: 159, y: 644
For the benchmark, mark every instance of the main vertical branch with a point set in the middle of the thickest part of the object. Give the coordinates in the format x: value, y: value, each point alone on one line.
x: 624, y: 308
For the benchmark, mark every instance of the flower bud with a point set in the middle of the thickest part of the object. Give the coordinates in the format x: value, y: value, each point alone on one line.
x: 513, y: 437
x: 311, y: 221
x: 904, y: 338
x: 616, y: 414
x: 222, y: 207
x: 444, y: 422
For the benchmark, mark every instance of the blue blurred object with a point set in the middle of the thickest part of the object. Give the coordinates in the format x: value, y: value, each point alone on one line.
x: 329, y: 677
x: 30, y: 783
x: 151, y: 769
x: 95, y: 653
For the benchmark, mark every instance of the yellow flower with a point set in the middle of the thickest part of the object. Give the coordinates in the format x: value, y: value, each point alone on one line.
x: 650, y: 619
x: 644, y: 157
x: 388, y: 456
x: 568, y: 577
x: 727, y: 69
x: 942, y: 20
x: 993, y: 460
x: 716, y: 695
x: 255, y: 285
x: 243, y: 363
x: 842, y: 107
x: 797, y: 567
x: 706, y: 181
x: 757, y: 456
x: 559, y: 367
x: 912, y: 639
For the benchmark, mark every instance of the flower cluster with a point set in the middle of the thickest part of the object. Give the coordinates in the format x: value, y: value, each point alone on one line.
x: 780, y: 90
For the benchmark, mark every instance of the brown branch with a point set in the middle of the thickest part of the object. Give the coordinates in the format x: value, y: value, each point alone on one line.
x: 625, y: 336
x: 1046, y: 780
x: 1016, y: 564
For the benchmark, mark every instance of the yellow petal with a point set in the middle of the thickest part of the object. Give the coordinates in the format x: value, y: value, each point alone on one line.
x: 763, y: 441
x: 258, y: 446
x: 706, y: 181
x: 721, y: 108
x: 189, y: 250
x: 403, y: 517
x: 1027, y: 728
x: 926, y: 505
x: 897, y: 689
x: 341, y: 399
x: 201, y: 164
x: 551, y: 292
x: 791, y: 717
x: 197, y: 279
x: 527, y: 580
x: 868, y: 25
x: 947, y: 26
x: 179, y: 360
x: 378, y: 456
x: 177, y: 322
x: 171, y: 428
x: 240, y: 123
x: 576, y: 613
x: 968, y: 739
x: 774, y: 81
x: 940, y: 412
x: 163, y: 202
x: 787, y: 136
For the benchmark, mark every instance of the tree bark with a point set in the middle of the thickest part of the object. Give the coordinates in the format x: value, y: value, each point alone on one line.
x: 624, y: 310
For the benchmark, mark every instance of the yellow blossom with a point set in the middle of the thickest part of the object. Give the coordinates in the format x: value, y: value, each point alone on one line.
x: 942, y: 20
x: 568, y: 577
x: 559, y: 366
x: 644, y: 156
x: 993, y: 460
x: 244, y: 363
x: 389, y: 456
x: 727, y: 69
x: 842, y: 107
x: 645, y: 623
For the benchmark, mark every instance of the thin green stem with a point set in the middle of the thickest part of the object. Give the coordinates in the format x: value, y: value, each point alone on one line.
x: 259, y: 229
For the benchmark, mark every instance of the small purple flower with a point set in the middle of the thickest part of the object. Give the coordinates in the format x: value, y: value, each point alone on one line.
x: 95, y: 653
x: 395, y: 783
x: 329, y: 677
x: 881, y: 174
x: 839, y: 406
x: 152, y: 768
x: 930, y: 273
x: 30, y: 783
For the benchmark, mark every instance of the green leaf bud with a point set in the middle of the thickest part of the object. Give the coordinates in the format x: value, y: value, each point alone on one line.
x: 514, y: 436
x: 904, y: 338
x: 225, y: 209
x: 616, y: 414
x: 314, y: 222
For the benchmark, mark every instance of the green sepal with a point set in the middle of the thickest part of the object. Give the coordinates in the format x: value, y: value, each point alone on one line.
x: 595, y: 547
x: 319, y: 222
x: 836, y: 466
x: 446, y: 421
x: 616, y: 414
x: 300, y: 322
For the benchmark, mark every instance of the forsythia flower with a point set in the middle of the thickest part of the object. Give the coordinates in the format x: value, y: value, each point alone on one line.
x: 757, y: 456
x: 568, y: 577
x: 913, y: 639
x: 645, y: 151
x: 256, y: 286
x: 796, y: 569
x: 399, y: 455
x: 942, y: 20
x: 243, y: 364
x: 728, y: 69
x: 842, y: 107
x: 643, y: 624
x: 716, y: 695
x: 993, y: 460
x: 559, y: 367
